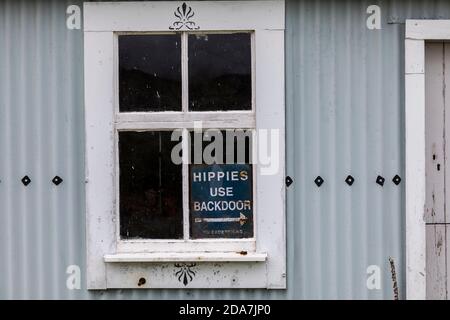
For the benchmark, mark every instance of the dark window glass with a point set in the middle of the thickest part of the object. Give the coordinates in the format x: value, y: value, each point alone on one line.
x: 151, y: 205
x: 220, y: 72
x: 221, y: 191
x: 149, y: 73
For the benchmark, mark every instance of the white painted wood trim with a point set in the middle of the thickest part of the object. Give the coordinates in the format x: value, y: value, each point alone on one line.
x: 162, y: 275
x: 436, y: 261
x: 99, y: 117
x: 270, y: 194
x: 222, y: 118
x: 427, y: 29
x: 162, y: 120
x: 415, y: 185
x: 209, y: 15
x: 186, y: 257
x: 203, y: 245
x: 417, y: 31
x: 414, y: 56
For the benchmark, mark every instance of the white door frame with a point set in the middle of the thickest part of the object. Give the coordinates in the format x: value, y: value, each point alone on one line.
x: 417, y: 32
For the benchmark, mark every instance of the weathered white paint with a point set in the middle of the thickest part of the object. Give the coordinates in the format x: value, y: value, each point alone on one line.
x: 202, y: 245
x: 415, y: 169
x: 427, y: 29
x: 164, y: 120
x: 270, y: 189
x: 434, y: 133
x: 447, y: 241
x: 446, y: 135
x: 266, y: 20
x: 99, y: 120
x: 417, y: 31
x: 436, y: 262
x: 207, y: 275
x: 414, y: 57
x: 209, y: 15
x: 239, y: 119
x: 186, y: 257
x: 437, y: 59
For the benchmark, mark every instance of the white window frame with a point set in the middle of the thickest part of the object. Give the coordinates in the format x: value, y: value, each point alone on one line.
x: 115, y: 263
x: 417, y: 32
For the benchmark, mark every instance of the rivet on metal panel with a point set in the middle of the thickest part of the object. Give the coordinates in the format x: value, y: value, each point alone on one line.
x: 380, y: 180
x: 57, y: 180
x: 349, y: 180
x: 289, y: 181
x: 319, y: 181
x: 141, y: 282
x: 397, y: 179
x: 26, y: 180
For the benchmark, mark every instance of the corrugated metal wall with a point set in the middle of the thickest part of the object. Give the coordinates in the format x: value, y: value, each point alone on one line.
x: 344, y: 116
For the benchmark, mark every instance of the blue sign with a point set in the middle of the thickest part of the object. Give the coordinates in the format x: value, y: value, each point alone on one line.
x: 221, y: 201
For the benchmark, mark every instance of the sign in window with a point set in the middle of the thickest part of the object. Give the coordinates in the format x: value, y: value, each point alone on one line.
x: 221, y: 203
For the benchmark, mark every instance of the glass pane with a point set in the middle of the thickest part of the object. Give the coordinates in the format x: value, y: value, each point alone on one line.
x: 220, y: 72
x: 221, y: 190
x: 151, y: 205
x: 149, y: 73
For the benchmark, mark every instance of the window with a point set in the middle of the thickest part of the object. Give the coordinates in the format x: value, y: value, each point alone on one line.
x: 195, y: 76
x: 179, y: 100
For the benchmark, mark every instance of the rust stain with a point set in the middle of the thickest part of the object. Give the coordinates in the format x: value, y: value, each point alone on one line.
x: 243, y: 253
x: 141, y: 282
x: 394, y: 278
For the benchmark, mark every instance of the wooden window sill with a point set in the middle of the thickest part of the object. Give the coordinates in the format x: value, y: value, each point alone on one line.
x: 186, y: 257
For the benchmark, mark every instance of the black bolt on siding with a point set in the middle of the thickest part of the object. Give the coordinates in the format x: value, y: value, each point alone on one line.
x: 57, y: 180
x: 289, y: 181
x: 349, y: 180
x: 380, y: 180
x: 397, y: 180
x: 26, y: 180
x: 319, y: 181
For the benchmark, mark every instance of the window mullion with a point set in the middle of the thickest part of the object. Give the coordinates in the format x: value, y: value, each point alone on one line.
x: 185, y: 145
x: 184, y: 72
x: 185, y: 157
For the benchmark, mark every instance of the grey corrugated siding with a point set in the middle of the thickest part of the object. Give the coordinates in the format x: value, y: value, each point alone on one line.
x: 345, y: 102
